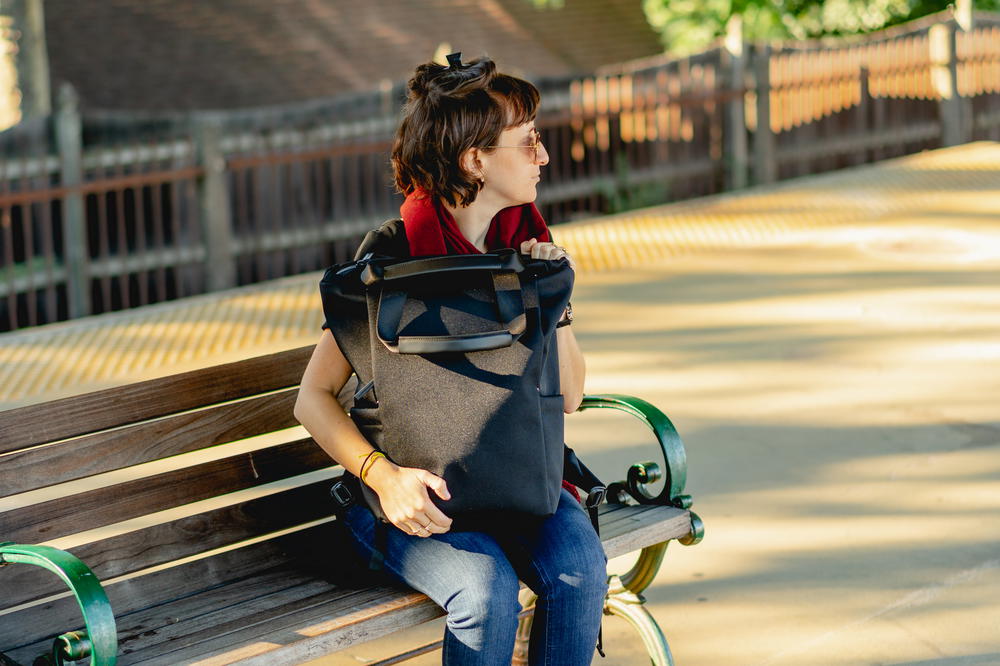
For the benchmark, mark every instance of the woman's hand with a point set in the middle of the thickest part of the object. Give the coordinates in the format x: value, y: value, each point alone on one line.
x: 545, y: 251
x: 405, y: 501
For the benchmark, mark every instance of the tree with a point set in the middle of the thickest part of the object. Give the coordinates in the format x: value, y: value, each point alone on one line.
x: 692, y: 25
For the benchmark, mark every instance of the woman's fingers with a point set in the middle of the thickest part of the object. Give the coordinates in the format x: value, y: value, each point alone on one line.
x: 549, y: 251
x: 435, y: 483
x: 426, y: 525
x: 437, y: 521
x: 408, y: 505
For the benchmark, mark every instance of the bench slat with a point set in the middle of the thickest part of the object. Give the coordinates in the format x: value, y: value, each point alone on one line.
x: 45, y: 466
x: 281, y: 636
x: 160, y: 544
x: 244, y: 607
x: 141, y: 627
x: 130, y: 595
x: 69, y: 417
x: 636, y: 527
x: 280, y: 640
x: 248, y: 602
x: 105, y: 506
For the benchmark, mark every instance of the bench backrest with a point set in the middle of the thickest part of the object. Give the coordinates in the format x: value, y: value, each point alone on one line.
x: 140, y: 479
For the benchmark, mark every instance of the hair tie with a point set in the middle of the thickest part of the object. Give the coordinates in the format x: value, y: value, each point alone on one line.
x: 454, y: 60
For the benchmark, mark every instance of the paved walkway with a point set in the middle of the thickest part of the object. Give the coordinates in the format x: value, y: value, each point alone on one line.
x: 827, y: 347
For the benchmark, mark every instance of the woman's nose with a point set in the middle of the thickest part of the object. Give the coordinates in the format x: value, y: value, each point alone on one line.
x: 542, y: 157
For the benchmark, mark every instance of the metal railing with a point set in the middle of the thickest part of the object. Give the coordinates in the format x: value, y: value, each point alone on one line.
x: 105, y: 211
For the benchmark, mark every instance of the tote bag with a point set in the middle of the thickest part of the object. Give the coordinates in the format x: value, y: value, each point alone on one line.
x: 459, y: 373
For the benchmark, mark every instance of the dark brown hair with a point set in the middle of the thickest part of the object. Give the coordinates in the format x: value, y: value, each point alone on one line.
x: 449, y: 110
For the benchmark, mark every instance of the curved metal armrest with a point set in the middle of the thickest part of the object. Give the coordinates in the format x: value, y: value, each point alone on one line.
x: 101, y: 639
x: 644, y: 473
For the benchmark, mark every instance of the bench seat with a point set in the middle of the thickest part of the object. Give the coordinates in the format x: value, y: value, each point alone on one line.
x: 204, y: 510
x: 283, y: 613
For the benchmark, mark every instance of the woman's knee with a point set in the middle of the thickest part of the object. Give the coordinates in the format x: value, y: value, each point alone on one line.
x: 583, y: 578
x: 487, y: 595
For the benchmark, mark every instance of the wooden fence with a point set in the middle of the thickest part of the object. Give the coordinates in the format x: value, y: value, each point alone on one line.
x: 105, y: 211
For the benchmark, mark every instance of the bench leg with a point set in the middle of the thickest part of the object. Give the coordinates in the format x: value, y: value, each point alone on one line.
x: 626, y: 601
x: 628, y: 606
x: 524, y: 628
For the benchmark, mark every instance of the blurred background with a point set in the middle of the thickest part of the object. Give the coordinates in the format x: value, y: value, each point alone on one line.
x: 153, y: 150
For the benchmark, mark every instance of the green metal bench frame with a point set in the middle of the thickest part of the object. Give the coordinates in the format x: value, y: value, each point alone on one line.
x: 100, y: 640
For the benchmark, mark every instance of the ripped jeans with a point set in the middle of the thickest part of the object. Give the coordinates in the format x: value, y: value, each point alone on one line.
x: 474, y: 577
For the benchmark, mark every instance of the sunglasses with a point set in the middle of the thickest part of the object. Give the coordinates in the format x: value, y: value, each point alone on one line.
x: 535, y: 142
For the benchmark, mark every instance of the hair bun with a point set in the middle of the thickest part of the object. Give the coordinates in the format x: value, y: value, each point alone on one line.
x: 434, y: 81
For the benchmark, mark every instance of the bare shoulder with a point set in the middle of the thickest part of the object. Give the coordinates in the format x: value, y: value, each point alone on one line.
x: 328, y: 368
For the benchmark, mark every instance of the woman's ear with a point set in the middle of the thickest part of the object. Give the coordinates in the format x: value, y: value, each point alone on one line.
x: 472, y: 164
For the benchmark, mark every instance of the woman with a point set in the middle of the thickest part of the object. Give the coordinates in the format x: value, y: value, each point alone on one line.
x: 468, y: 157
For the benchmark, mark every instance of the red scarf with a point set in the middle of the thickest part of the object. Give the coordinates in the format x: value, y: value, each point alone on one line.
x: 431, y: 229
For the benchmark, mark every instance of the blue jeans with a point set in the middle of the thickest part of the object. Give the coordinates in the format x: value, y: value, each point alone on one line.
x: 474, y: 577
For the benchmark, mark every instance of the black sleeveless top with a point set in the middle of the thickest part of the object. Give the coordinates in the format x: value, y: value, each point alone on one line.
x: 388, y: 240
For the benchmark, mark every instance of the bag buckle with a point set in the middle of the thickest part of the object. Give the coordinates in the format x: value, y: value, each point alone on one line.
x: 342, y: 495
x: 595, y: 497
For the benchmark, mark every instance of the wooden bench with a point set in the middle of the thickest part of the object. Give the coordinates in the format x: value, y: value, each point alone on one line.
x: 204, y: 509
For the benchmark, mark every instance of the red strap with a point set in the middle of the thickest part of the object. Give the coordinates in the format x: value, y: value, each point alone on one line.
x: 572, y: 490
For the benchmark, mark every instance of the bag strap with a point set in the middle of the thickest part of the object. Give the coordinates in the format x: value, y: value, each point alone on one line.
x: 580, y: 475
x: 502, y: 260
x: 510, y: 307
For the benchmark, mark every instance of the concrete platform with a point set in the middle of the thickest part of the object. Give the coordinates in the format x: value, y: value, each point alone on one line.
x: 828, y: 348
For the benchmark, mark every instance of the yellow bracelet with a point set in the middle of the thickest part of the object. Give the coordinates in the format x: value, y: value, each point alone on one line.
x: 371, y: 461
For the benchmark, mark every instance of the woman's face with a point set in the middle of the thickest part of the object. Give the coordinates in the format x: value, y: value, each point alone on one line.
x: 512, y: 168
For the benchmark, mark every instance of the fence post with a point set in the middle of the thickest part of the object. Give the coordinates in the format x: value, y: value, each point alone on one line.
x: 31, y: 57
x: 735, y: 133
x: 956, y: 125
x: 765, y: 166
x: 964, y: 14
x: 862, y: 112
x: 76, y: 256
x: 213, y: 197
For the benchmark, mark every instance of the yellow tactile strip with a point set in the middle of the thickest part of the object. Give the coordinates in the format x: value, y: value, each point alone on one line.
x: 914, y: 184
x: 96, y: 352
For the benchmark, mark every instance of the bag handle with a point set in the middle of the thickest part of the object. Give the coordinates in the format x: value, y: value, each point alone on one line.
x: 510, y: 307
x: 506, y: 260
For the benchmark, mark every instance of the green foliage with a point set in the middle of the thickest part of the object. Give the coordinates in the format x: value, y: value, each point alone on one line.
x: 625, y: 195
x: 686, y: 26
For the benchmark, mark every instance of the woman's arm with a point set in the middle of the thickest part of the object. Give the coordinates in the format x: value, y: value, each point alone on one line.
x: 317, y: 408
x: 572, y: 369
x: 401, y: 490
